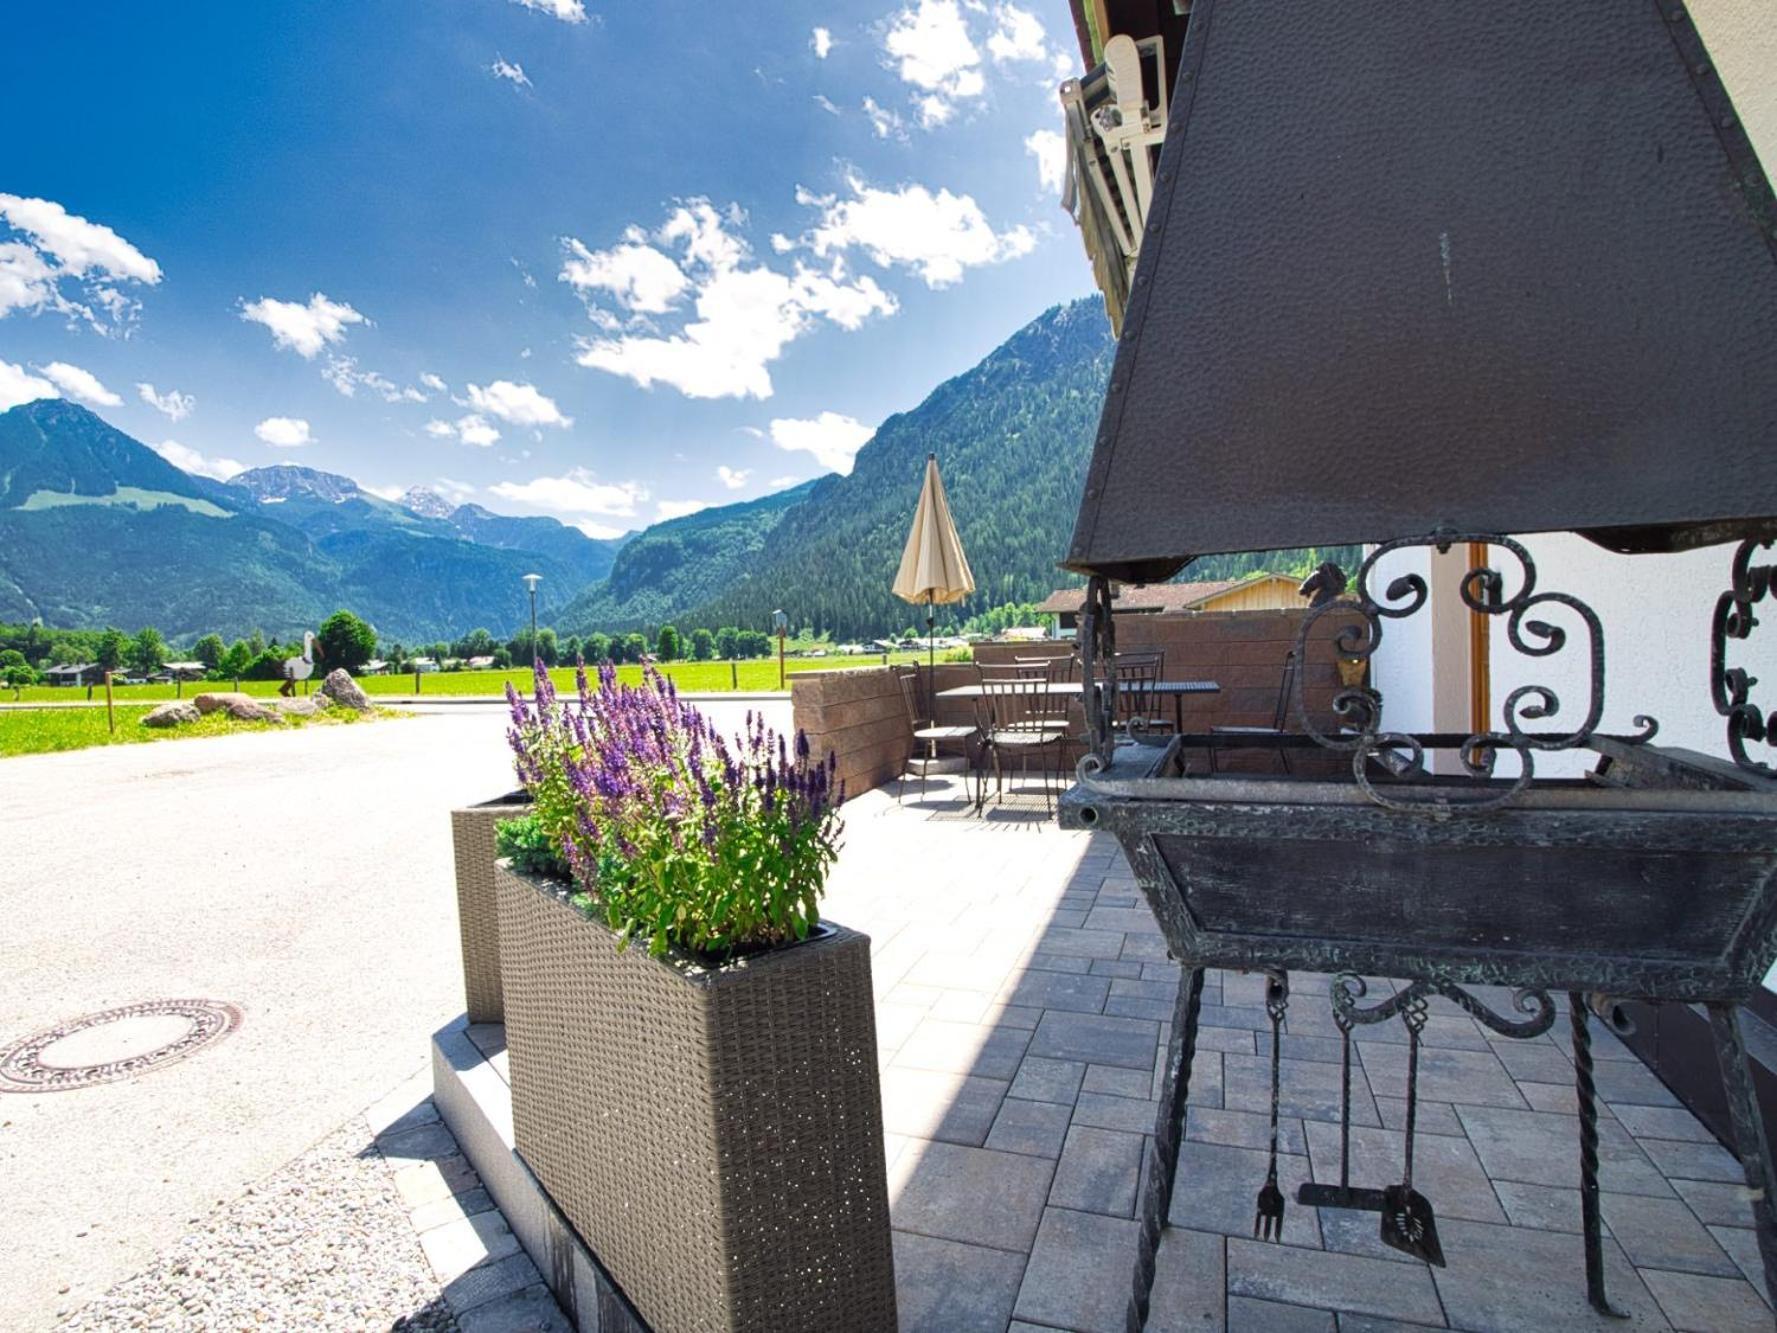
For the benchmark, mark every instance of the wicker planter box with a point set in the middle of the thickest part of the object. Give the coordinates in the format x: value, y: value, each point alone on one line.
x: 714, y: 1137
x: 472, y: 841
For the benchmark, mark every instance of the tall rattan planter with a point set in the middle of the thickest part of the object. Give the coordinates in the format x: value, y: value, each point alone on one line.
x: 714, y: 1137
x: 472, y: 842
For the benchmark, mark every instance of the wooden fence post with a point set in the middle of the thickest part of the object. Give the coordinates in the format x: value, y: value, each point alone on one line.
x: 110, y: 708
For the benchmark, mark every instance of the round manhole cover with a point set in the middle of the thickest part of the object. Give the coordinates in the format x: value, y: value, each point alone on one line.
x: 113, y: 1045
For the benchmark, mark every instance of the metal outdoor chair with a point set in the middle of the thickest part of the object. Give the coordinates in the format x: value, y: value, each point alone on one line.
x: 1056, y: 669
x: 1138, y: 676
x: 1021, y: 717
x: 1279, y: 717
x: 925, y: 729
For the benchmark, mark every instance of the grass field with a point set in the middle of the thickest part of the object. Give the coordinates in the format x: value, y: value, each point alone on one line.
x: 692, y: 677
x: 46, y: 730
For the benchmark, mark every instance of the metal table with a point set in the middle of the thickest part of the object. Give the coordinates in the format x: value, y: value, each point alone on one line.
x: 1176, y: 689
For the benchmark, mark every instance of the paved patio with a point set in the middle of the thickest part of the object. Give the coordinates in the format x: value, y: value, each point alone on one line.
x: 1025, y: 1000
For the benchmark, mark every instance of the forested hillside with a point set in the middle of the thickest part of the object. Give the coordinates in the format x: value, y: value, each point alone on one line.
x: 670, y: 569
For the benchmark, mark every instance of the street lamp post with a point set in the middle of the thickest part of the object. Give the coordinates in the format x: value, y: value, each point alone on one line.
x: 531, y: 581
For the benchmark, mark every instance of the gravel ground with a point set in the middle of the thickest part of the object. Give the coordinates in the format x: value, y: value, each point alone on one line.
x: 325, y: 1243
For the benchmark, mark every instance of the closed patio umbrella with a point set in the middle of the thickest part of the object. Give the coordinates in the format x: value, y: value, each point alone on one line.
x: 933, y: 566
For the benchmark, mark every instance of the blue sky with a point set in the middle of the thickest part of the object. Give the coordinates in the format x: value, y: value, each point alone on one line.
x: 670, y: 254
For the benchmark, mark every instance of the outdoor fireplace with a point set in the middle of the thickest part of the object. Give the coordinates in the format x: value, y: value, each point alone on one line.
x: 1431, y: 276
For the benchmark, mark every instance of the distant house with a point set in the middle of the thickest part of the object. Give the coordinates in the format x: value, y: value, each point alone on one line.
x: 374, y: 667
x: 423, y: 664
x: 481, y: 663
x: 183, y: 671
x: 77, y: 673
x: 1023, y: 634
x: 1252, y: 592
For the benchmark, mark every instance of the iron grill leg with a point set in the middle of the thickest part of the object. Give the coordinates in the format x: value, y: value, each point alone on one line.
x: 1749, y: 1131
x: 1579, y: 1018
x: 1169, y: 1129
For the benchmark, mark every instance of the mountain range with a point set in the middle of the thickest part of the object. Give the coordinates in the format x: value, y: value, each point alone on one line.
x: 96, y: 528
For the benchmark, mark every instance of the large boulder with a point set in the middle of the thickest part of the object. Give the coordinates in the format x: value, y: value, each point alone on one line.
x: 243, y: 709
x: 208, y: 702
x: 301, y: 707
x: 173, y: 714
x: 344, y: 691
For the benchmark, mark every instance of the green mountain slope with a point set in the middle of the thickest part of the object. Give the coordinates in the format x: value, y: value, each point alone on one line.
x: 1012, y: 437
x: 670, y: 569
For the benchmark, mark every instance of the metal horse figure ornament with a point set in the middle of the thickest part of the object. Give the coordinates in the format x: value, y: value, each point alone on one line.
x: 300, y: 668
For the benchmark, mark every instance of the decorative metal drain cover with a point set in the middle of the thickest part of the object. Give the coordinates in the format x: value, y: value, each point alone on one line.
x: 114, y: 1045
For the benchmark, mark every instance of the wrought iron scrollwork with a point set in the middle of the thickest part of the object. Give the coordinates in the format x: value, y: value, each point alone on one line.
x: 1730, y: 686
x: 1348, y: 989
x: 1485, y: 590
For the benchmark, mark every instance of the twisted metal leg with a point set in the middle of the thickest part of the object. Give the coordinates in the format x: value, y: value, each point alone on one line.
x: 1749, y: 1131
x: 1579, y: 1019
x: 1169, y: 1129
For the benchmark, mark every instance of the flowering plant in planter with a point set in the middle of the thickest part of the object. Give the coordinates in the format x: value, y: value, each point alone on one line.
x: 674, y: 834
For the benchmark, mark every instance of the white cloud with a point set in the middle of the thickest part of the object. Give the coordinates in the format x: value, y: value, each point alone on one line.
x: 470, y: 429
x: 833, y: 439
x: 826, y: 104
x: 579, y: 492
x: 383, y: 492
x: 1050, y: 151
x: 597, y: 531
x: 284, y: 432
x: 79, y: 384
x: 18, y: 385
x: 640, y: 278
x: 743, y: 314
x: 343, y: 374
x: 666, y: 509
x: 513, y: 73
x: 172, y: 404
x: 519, y: 404
x: 1018, y: 35
x: 190, y: 460
x: 434, y: 383
x: 778, y: 483
x: 475, y: 430
x: 930, y: 48
x: 59, y: 249
x: 938, y: 236
x: 820, y: 41
x: 304, y: 329
x: 887, y: 124
x: 732, y: 478
x: 568, y: 11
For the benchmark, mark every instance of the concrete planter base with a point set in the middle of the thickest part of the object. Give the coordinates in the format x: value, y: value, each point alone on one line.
x: 715, y: 1137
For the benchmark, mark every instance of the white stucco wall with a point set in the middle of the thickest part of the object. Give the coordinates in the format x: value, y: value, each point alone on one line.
x: 1656, y: 613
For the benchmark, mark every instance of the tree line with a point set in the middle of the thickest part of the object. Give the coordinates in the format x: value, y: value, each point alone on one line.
x: 27, y: 651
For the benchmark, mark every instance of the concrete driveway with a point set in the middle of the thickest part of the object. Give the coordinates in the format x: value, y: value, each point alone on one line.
x: 305, y: 876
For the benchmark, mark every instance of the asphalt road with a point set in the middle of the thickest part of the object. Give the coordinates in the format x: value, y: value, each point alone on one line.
x: 306, y: 876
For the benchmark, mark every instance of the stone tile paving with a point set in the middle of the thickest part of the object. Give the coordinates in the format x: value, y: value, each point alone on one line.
x: 1024, y: 1005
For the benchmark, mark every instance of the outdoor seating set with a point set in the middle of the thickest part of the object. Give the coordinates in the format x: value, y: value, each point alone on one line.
x: 1025, y: 710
